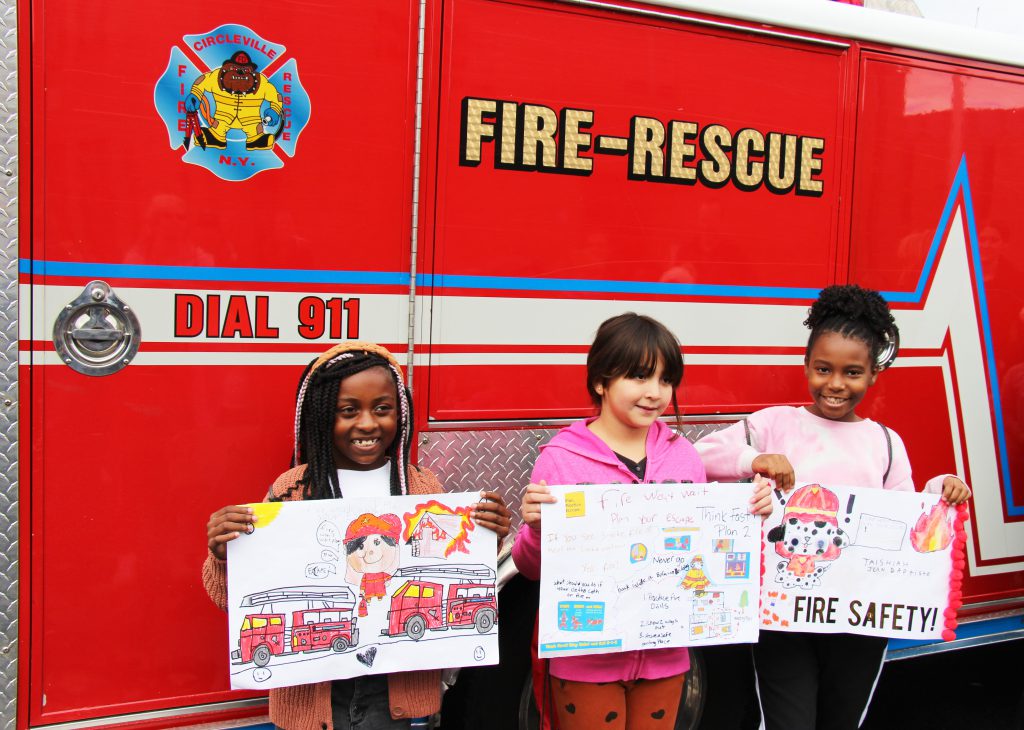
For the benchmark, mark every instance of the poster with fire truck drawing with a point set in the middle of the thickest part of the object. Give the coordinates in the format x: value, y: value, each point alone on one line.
x: 863, y: 561
x: 648, y: 566
x: 339, y: 588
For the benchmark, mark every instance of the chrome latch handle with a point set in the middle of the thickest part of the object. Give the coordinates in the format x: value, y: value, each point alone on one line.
x: 97, y: 333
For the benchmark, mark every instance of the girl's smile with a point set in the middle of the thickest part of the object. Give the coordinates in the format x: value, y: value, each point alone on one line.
x: 366, y: 420
x: 839, y: 372
x: 630, y: 404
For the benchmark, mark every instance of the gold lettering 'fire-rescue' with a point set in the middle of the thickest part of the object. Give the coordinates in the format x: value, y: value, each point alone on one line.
x: 537, y: 138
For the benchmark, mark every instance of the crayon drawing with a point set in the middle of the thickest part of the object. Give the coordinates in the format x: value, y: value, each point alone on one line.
x: 404, y: 583
x: 863, y: 561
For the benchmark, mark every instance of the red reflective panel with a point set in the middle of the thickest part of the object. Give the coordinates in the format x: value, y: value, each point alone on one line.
x: 127, y: 468
x: 508, y: 222
x: 923, y: 120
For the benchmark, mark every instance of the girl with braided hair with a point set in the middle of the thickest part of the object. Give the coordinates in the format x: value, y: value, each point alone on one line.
x: 353, y: 430
x: 825, y: 681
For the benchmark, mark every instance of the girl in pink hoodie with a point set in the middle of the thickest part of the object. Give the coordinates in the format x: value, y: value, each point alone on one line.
x: 633, y: 369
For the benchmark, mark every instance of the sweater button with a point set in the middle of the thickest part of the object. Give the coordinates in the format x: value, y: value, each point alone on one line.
x: 398, y: 711
x: 323, y: 726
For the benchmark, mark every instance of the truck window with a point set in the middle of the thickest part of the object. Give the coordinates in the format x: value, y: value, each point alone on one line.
x: 413, y: 592
x: 428, y: 592
x: 245, y: 624
x: 259, y: 623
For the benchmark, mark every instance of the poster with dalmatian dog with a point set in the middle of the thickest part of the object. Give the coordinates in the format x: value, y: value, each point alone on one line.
x: 862, y: 561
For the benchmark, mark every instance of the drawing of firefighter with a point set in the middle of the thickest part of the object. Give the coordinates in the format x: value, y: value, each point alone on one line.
x: 695, y: 579
x: 242, y: 98
x: 371, y: 548
x: 809, y: 537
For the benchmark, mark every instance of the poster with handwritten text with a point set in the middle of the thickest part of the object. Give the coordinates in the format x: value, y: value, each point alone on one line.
x: 862, y: 561
x: 646, y: 566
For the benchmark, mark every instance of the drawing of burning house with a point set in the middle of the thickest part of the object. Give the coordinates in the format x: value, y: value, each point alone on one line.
x: 434, y: 531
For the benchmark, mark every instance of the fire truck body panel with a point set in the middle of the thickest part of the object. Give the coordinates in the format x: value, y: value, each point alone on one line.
x: 110, y: 200
x: 674, y: 254
x: 408, y: 215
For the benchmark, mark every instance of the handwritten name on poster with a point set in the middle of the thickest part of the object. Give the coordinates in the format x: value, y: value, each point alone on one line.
x: 863, y: 561
x: 338, y: 588
x: 648, y: 566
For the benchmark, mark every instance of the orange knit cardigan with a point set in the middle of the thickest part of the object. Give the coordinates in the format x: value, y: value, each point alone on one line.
x: 308, y: 706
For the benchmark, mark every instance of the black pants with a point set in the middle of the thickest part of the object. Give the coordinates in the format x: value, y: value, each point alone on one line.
x: 361, y: 703
x: 816, y: 681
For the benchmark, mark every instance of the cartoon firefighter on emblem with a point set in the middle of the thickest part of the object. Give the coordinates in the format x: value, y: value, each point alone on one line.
x: 234, y: 96
x: 371, y: 549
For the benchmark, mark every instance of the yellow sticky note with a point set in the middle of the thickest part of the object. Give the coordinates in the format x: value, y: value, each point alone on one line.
x: 575, y: 504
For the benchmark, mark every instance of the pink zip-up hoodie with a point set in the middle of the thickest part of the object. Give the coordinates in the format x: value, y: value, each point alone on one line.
x: 576, y: 456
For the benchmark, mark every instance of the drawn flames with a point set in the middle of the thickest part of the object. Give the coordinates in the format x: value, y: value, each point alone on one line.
x: 458, y: 541
x: 933, y: 530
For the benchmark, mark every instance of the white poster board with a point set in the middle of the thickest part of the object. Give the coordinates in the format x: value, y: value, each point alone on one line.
x: 647, y: 566
x: 861, y: 561
x: 299, y: 611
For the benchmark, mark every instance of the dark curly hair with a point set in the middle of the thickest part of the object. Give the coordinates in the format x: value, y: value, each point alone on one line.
x: 852, y: 311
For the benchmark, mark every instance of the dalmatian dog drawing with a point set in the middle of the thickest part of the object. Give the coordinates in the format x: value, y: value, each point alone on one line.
x: 809, y: 537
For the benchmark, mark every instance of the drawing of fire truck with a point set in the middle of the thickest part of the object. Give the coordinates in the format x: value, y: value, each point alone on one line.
x: 420, y: 604
x: 324, y: 623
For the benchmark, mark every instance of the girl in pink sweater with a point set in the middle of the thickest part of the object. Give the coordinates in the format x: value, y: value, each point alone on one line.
x: 818, y: 681
x: 633, y: 370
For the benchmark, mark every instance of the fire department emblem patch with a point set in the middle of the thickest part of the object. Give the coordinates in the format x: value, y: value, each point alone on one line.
x: 232, y: 101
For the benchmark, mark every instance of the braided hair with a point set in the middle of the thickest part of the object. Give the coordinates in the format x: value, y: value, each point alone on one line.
x: 316, y: 404
x: 852, y: 311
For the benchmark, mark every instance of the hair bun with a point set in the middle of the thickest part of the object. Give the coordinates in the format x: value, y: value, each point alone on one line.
x: 854, y: 311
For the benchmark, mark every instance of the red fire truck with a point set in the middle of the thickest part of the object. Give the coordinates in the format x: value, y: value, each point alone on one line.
x: 325, y: 624
x: 420, y: 605
x: 475, y: 184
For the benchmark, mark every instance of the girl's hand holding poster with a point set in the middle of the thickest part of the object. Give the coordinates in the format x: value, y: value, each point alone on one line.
x: 863, y: 561
x: 329, y: 589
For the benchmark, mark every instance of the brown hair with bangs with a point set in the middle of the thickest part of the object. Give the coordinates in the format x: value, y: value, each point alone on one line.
x: 631, y: 345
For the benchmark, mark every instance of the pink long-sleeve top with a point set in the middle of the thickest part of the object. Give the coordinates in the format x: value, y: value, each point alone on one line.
x: 576, y: 456
x: 853, y: 454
